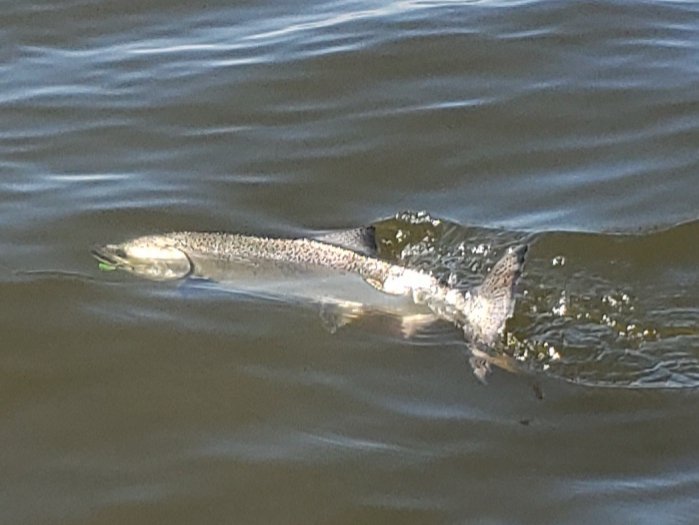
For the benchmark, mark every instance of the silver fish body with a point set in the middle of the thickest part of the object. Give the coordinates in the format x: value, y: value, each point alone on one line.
x: 324, y: 272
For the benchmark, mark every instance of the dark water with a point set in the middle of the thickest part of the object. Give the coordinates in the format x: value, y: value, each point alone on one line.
x: 574, y: 125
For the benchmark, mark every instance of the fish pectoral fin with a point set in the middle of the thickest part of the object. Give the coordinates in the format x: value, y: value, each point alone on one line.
x: 334, y: 316
x: 375, y: 283
x: 412, y: 324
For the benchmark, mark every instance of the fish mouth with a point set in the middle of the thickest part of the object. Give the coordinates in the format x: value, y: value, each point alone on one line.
x: 109, y: 255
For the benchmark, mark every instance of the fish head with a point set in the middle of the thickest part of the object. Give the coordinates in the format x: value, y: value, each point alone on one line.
x: 152, y: 257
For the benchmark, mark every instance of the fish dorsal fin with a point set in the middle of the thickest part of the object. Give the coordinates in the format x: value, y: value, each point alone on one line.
x: 360, y: 240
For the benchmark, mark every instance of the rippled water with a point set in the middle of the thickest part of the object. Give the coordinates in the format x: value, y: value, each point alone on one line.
x: 573, y: 125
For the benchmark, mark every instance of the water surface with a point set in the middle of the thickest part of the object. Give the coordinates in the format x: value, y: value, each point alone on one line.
x: 573, y: 125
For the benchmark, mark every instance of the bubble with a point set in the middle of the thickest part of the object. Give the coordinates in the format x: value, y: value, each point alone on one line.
x: 419, y: 217
x: 480, y: 249
x: 561, y: 309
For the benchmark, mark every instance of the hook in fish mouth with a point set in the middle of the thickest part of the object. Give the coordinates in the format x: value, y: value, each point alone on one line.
x: 110, y: 257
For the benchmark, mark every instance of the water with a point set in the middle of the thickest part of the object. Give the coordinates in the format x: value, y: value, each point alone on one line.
x: 571, y: 124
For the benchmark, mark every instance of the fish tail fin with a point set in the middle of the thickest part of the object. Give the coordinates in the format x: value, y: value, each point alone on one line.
x: 481, y: 363
x: 500, y: 282
x: 494, y: 299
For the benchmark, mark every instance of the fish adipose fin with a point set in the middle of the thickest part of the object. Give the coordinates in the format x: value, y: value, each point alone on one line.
x: 360, y: 240
x: 492, y: 303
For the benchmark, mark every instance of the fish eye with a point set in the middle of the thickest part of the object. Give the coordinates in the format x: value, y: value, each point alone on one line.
x: 119, y: 252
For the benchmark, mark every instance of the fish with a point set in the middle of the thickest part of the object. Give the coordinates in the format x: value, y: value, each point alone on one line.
x: 339, y: 270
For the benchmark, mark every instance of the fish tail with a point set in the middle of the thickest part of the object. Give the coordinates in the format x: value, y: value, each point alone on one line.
x: 494, y: 300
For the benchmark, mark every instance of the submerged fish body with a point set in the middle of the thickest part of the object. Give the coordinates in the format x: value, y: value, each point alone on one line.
x: 334, y: 269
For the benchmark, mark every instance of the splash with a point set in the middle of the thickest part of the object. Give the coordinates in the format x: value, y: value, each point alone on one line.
x: 594, y: 309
